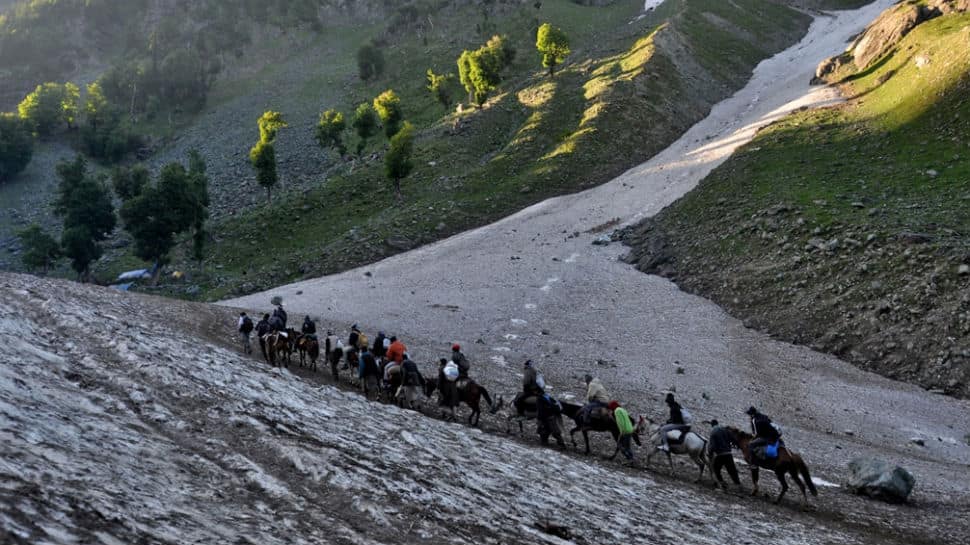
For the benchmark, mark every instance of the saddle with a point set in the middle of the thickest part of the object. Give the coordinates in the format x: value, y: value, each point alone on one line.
x: 676, y: 437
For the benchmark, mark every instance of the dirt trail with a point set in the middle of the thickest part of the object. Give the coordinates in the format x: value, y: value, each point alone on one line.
x: 533, y: 286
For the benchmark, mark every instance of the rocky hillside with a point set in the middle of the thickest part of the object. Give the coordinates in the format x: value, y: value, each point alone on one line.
x: 846, y: 229
x: 632, y: 85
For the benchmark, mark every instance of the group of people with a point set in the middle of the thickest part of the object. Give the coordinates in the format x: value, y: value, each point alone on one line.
x: 378, y: 362
x: 679, y: 422
x: 388, y: 356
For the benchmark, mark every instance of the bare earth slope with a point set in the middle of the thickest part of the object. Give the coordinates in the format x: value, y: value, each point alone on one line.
x: 532, y: 286
x: 143, y: 431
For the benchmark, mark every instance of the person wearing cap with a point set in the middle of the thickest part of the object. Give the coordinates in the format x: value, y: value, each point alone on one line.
x: 627, y: 431
x: 765, y: 432
x: 462, y: 362
x: 675, y: 422
x: 719, y: 450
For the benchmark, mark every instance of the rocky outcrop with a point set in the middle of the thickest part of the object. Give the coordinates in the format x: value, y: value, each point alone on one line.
x: 880, y: 480
x: 883, y: 34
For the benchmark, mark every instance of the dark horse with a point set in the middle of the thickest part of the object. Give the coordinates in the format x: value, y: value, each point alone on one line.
x: 786, y: 462
x: 600, y: 419
x: 470, y: 395
x: 309, y: 348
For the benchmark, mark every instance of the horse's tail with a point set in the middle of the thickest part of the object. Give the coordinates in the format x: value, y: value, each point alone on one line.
x: 492, y: 407
x: 803, y: 469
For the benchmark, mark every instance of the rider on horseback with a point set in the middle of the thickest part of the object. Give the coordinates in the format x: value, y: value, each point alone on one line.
x: 530, y: 386
x: 676, y: 422
x: 309, y: 328
x: 280, y: 315
x: 596, y: 397
x: 411, y: 381
x: 462, y: 362
x: 447, y: 390
x: 767, y: 435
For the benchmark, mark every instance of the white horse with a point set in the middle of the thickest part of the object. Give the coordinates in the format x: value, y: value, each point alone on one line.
x: 694, y: 445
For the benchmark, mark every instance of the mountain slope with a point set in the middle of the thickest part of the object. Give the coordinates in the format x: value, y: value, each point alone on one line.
x: 152, y: 433
x: 846, y: 229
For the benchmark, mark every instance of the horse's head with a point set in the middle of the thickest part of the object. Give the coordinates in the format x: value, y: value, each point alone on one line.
x: 739, y: 437
x: 644, y: 424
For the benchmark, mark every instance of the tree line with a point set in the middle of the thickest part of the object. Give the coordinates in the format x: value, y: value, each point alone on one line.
x: 153, y: 212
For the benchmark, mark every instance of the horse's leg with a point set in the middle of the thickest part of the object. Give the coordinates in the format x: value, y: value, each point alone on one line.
x: 700, y: 464
x: 801, y: 486
x: 572, y: 435
x: 754, y: 480
x: 586, y: 438
x: 670, y: 460
x: 784, y: 485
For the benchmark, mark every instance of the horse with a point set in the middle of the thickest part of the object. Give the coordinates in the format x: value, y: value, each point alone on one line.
x: 270, y: 340
x: 787, y: 462
x: 693, y: 445
x: 334, y: 359
x: 525, y: 409
x: 392, y: 385
x: 600, y: 419
x: 470, y: 395
x: 309, y: 347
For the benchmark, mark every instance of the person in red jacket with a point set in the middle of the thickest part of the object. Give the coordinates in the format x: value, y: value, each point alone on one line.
x: 396, y: 351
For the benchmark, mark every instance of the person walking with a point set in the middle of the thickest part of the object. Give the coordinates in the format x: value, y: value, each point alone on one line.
x: 627, y: 431
x: 719, y: 451
x: 245, y: 327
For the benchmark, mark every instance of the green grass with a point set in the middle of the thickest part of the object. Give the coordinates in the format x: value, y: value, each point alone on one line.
x: 905, y: 120
x: 620, y: 99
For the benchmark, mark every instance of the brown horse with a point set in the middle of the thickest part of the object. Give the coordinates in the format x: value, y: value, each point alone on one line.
x: 471, y: 395
x: 787, y: 462
x: 600, y: 419
x: 309, y: 348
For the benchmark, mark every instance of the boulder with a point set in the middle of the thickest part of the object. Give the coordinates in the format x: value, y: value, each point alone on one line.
x: 880, y: 480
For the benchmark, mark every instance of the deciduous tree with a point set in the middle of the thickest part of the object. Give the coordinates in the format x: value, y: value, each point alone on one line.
x: 85, y: 205
x: 370, y: 62
x: 16, y: 146
x: 388, y: 108
x: 398, y: 162
x: 365, y: 125
x: 330, y: 130
x: 263, y: 154
x: 41, y: 250
x: 553, y: 44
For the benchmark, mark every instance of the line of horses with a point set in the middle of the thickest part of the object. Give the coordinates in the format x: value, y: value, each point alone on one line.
x: 278, y: 348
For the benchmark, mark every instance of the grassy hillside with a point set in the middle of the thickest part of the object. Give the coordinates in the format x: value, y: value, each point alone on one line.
x: 847, y: 228
x: 631, y: 86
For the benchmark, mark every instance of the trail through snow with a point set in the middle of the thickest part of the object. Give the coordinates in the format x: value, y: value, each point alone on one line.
x: 635, y: 330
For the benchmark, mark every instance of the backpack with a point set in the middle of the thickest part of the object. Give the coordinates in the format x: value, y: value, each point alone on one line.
x: 540, y: 381
x: 247, y: 325
x: 777, y: 428
x: 362, y: 340
x: 685, y: 414
x: 451, y: 371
